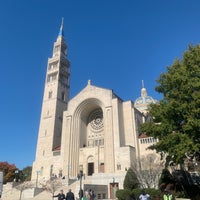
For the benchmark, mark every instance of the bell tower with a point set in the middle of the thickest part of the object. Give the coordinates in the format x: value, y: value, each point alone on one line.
x: 55, y: 100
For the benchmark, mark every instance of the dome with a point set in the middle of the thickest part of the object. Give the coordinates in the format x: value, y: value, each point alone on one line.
x: 145, y: 100
x: 142, y: 102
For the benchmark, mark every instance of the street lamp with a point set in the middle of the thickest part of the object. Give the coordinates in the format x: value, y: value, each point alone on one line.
x: 68, y: 168
x: 37, y: 174
x: 80, y: 176
x: 16, y: 175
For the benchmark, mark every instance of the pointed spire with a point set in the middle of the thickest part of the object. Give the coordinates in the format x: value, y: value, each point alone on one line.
x: 143, y: 90
x: 89, y: 82
x: 61, y: 32
x: 142, y: 83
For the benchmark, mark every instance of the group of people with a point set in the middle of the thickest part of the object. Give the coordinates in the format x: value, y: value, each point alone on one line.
x: 68, y: 196
x: 89, y: 195
x: 166, y: 196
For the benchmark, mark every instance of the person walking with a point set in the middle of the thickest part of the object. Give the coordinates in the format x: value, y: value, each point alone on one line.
x: 61, y: 195
x: 70, y: 195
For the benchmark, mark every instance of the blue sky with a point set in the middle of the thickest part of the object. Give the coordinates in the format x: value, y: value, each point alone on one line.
x: 116, y: 44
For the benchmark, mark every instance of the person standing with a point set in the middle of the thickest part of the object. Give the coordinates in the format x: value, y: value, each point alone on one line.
x: 70, y: 195
x: 168, y: 195
x: 92, y: 195
x: 61, y: 195
x: 87, y: 194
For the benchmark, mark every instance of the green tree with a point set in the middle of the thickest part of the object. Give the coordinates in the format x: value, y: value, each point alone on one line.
x: 26, y: 173
x: 175, y: 120
x: 165, y: 177
x: 130, y: 181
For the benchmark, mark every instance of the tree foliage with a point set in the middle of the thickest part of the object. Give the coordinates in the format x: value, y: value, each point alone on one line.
x: 26, y: 173
x: 8, y: 171
x: 165, y: 177
x: 124, y: 194
x: 131, y: 180
x: 175, y: 120
x: 12, y: 173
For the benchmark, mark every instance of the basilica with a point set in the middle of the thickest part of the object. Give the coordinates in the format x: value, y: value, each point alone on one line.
x: 95, y: 131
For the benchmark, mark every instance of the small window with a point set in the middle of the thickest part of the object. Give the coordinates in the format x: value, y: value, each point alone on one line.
x: 50, y: 66
x: 63, y: 96
x: 54, y: 76
x: 51, y: 170
x: 118, y: 167
x: 50, y: 94
x: 96, y: 142
x: 101, y: 141
x: 57, y: 48
x: 48, y: 78
x: 41, y: 171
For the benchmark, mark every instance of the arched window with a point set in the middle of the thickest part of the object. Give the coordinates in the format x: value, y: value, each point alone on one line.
x: 50, y: 94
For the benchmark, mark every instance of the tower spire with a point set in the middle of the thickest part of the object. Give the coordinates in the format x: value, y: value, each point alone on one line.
x: 55, y: 102
x: 143, y: 90
x: 61, y: 32
x: 142, y: 83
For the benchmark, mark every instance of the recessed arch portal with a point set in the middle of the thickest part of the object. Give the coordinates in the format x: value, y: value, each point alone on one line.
x: 89, y: 119
x: 89, y: 115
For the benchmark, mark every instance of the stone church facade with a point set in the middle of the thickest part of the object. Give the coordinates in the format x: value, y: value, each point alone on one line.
x: 95, y: 131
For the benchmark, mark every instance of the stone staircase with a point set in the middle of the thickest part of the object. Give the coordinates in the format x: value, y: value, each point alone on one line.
x: 11, y: 193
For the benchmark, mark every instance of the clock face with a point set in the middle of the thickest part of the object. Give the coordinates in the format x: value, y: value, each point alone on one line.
x: 96, y: 120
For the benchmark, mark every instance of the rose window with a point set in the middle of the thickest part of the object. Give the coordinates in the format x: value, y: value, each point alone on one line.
x: 96, y: 120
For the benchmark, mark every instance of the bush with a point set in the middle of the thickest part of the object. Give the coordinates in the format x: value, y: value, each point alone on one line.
x: 134, y: 194
x: 130, y: 180
x: 123, y: 194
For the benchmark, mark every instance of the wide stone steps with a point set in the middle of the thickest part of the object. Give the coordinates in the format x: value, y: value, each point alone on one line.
x: 10, y: 193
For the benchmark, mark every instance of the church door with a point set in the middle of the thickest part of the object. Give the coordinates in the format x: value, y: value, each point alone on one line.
x: 113, y: 189
x: 90, y: 169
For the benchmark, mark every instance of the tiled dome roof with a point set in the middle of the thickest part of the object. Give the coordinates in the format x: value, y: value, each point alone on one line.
x: 143, y: 101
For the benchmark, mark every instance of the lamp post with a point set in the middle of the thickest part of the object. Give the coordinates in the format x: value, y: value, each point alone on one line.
x: 80, y: 176
x: 16, y: 175
x: 68, y: 168
x: 37, y: 174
